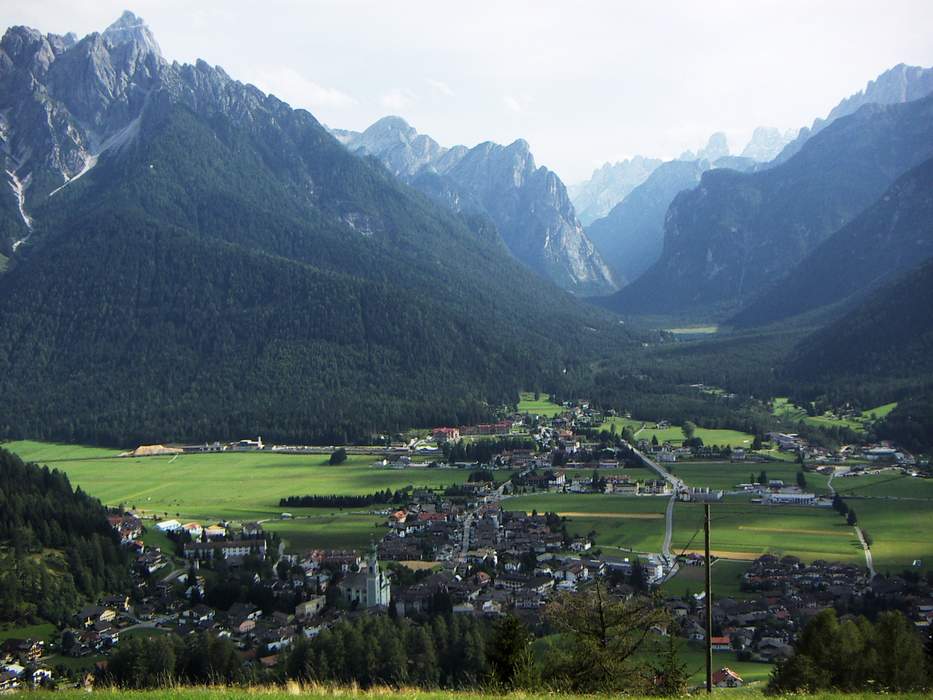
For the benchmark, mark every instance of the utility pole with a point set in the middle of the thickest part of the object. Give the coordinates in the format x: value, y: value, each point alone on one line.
x: 709, y: 605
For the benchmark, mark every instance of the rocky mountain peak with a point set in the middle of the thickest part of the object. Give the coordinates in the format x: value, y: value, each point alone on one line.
x: 766, y: 142
x: 130, y: 29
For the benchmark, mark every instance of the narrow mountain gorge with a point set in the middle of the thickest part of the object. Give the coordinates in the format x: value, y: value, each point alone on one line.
x: 202, y: 254
x: 527, y: 204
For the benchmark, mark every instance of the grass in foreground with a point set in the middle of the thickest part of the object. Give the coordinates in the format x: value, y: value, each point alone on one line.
x: 291, y: 691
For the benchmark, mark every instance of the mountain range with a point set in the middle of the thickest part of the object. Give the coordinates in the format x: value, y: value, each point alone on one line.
x: 527, y: 205
x: 190, y: 257
x: 630, y: 236
x: 736, y: 233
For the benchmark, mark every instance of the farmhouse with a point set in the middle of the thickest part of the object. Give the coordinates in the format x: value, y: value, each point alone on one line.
x: 727, y: 678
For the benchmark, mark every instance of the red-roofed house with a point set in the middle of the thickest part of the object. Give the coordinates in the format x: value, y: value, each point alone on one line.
x: 727, y: 678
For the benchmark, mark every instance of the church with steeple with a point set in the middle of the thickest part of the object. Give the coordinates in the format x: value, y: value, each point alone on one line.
x: 369, y: 588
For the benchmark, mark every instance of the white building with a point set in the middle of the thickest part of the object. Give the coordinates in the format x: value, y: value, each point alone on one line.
x: 791, y: 499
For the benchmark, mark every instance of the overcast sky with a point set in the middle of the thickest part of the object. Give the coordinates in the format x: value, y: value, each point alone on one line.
x: 582, y: 82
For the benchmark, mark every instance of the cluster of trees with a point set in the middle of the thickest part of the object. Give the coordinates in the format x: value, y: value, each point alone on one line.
x: 338, y: 501
x: 601, y: 640
x: 841, y: 507
x: 447, y: 651
x: 852, y: 655
x: 167, y: 660
x: 482, y: 451
x: 61, y: 551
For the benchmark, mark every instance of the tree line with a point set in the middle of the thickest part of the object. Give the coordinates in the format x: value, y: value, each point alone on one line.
x: 345, y: 501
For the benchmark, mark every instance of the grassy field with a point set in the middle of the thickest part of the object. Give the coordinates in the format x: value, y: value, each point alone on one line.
x: 542, y: 406
x: 726, y: 578
x: 674, y: 434
x: 624, y: 522
x: 237, y: 486
x: 745, y: 530
x: 319, y: 528
x: 232, y: 485
x: 885, y: 485
x: 32, y: 451
x: 749, y: 671
x: 900, y: 530
x: 783, y: 408
x: 46, y: 632
x: 725, y: 475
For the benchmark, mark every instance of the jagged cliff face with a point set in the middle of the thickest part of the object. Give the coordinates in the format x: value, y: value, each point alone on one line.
x: 609, y: 185
x: 900, y: 84
x: 527, y: 204
x: 63, y: 102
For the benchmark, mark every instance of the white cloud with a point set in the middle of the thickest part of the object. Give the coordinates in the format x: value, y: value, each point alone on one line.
x: 396, y: 99
x: 291, y: 86
x: 512, y: 103
x: 440, y: 86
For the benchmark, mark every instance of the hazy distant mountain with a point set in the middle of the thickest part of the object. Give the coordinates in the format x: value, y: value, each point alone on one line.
x: 902, y: 83
x: 767, y: 142
x: 736, y: 233
x: 528, y: 205
x: 191, y: 258
x: 716, y: 147
x: 609, y: 185
x: 893, y: 235
x: 630, y: 238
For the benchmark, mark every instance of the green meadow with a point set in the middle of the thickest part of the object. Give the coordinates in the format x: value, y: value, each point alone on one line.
x: 725, y: 575
x: 888, y: 484
x: 783, y: 408
x: 542, y: 406
x: 45, y: 631
x: 633, y: 523
x: 741, y: 530
x: 900, y: 530
x: 645, y: 430
x: 237, y: 486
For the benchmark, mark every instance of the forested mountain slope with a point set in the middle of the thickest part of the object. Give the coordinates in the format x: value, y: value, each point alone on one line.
x: 893, y: 235
x: 882, y: 347
x: 221, y: 265
x: 56, y: 547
